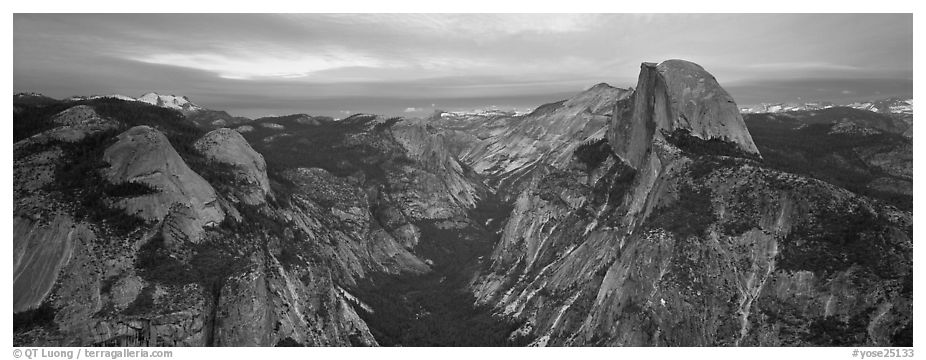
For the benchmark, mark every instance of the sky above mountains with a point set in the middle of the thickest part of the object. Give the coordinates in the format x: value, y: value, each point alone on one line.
x: 337, y: 64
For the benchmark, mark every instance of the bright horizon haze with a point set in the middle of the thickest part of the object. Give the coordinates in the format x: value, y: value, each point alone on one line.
x: 409, y: 64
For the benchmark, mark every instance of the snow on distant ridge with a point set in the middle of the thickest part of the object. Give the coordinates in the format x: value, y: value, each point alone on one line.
x: 117, y: 96
x: 25, y: 94
x: 892, y: 106
x: 94, y: 97
x: 170, y: 101
x: 486, y: 112
x: 181, y: 103
x: 785, y: 107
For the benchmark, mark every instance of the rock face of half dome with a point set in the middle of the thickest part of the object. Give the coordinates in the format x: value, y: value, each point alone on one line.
x: 675, y: 95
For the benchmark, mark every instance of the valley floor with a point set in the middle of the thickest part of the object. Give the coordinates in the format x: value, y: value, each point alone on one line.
x: 437, y: 309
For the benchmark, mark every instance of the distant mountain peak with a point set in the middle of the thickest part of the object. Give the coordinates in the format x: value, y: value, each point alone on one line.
x: 599, y: 88
x: 180, y: 103
x: 676, y: 95
x: 32, y: 98
x: 175, y: 102
x: 601, y: 85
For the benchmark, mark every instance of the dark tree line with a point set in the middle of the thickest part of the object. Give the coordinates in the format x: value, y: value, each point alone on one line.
x: 593, y: 152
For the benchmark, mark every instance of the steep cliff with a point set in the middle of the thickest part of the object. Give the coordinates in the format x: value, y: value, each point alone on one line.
x: 636, y: 217
x: 505, y: 150
x: 143, y: 155
x: 441, y: 174
x: 671, y: 232
x: 177, y: 237
x: 675, y: 95
x: 408, y: 165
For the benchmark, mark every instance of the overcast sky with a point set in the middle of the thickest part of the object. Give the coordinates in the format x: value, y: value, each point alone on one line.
x: 328, y: 64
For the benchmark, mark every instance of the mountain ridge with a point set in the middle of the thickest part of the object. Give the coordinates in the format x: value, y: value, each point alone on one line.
x: 684, y: 240
x: 616, y: 217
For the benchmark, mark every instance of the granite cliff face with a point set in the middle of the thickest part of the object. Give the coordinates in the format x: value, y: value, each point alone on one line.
x: 178, y: 237
x: 506, y: 149
x: 142, y: 155
x: 440, y: 174
x: 39, y: 253
x: 671, y: 232
x: 675, y: 95
x: 616, y: 217
x: 405, y: 161
x: 250, y: 170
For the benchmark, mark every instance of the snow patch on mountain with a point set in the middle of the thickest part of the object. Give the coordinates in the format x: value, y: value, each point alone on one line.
x: 181, y: 103
x: 884, y: 106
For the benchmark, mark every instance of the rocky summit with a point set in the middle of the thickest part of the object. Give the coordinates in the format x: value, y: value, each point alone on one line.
x: 673, y: 232
x: 675, y: 95
x: 142, y: 155
x: 227, y: 146
x: 651, y: 216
